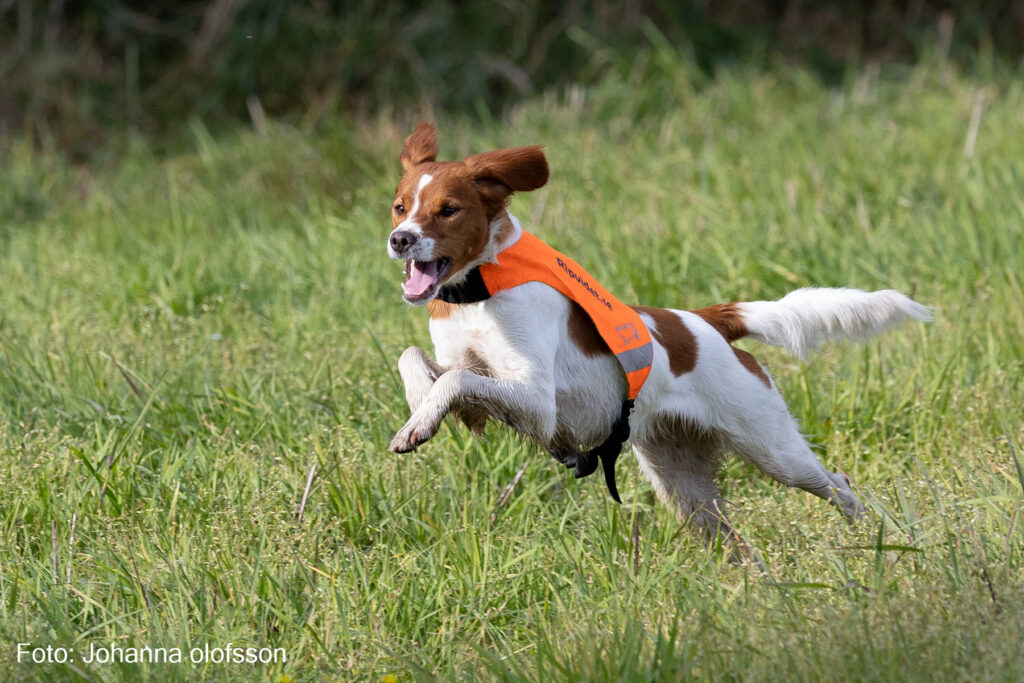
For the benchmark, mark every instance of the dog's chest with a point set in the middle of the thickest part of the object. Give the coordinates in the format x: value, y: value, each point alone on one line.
x: 471, y: 338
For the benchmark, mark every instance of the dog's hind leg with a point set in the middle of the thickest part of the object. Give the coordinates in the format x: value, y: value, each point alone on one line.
x: 684, y: 479
x: 683, y: 475
x: 779, y: 450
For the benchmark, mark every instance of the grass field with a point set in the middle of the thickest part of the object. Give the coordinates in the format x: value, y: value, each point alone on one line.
x: 198, y: 384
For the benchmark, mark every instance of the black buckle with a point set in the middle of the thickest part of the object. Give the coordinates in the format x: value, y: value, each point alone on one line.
x: 585, y: 462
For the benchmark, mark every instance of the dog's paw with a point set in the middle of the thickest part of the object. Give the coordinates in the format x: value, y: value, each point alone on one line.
x: 410, y: 437
x: 403, y: 443
x: 846, y: 499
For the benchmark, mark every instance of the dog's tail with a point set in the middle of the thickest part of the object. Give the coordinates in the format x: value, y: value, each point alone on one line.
x: 803, y: 319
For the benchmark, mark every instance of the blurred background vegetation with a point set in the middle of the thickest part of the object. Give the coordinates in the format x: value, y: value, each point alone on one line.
x: 77, y: 76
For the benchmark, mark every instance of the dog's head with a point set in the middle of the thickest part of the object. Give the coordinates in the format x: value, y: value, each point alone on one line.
x: 447, y: 215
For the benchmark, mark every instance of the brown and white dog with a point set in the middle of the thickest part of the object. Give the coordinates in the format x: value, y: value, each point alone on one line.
x: 532, y: 359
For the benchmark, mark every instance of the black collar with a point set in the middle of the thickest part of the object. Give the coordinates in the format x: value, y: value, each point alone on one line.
x: 469, y: 291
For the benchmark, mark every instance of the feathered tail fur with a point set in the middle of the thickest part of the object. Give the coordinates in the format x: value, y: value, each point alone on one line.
x: 803, y: 319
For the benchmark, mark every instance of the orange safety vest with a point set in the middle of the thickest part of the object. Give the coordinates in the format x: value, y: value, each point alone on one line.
x: 531, y: 260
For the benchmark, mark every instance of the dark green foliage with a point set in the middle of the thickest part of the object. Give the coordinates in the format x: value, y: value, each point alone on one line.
x: 73, y: 73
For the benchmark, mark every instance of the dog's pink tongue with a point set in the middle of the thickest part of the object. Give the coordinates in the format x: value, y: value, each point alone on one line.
x: 422, y: 276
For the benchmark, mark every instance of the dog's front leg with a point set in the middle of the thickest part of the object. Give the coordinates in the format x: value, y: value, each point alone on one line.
x: 418, y: 373
x: 527, y: 408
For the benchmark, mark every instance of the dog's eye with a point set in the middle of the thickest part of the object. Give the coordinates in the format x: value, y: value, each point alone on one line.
x: 448, y: 211
x: 399, y: 209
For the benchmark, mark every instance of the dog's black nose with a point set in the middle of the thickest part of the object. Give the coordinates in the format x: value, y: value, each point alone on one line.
x: 401, y: 241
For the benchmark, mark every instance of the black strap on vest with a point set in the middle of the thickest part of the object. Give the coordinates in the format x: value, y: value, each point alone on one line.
x: 469, y: 291
x: 607, y: 453
x: 472, y: 290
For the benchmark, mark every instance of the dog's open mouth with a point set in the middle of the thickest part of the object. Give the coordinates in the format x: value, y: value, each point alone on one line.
x: 422, y: 278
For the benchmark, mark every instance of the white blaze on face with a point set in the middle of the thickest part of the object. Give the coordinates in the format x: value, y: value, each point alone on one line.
x: 424, y: 180
x: 424, y: 247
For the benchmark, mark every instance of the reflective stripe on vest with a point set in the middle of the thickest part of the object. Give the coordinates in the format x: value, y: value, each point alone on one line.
x: 531, y: 260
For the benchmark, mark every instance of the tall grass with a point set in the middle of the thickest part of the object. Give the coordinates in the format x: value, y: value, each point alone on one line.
x: 197, y: 385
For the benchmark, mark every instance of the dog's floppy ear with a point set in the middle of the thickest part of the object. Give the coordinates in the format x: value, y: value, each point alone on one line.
x: 420, y: 147
x: 500, y: 173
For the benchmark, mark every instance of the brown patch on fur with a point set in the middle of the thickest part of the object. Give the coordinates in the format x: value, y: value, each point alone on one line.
x: 727, y: 319
x: 677, y: 339
x: 474, y: 362
x: 584, y: 334
x: 751, y: 364
x: 439, y: 310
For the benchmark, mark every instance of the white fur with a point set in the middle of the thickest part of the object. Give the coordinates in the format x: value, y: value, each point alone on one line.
x: 801, y: 320
x: 535, y: 379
